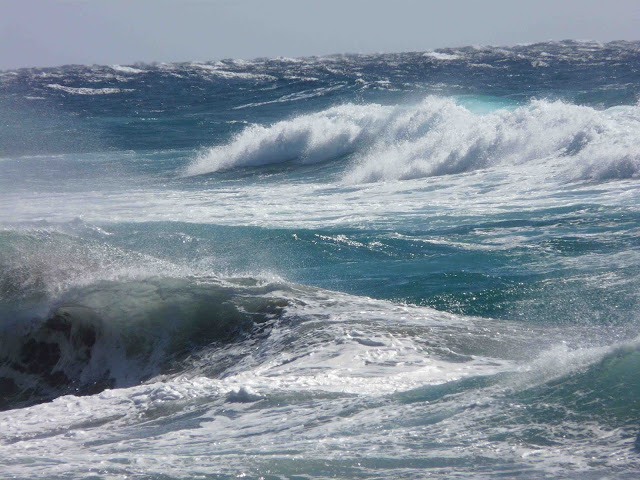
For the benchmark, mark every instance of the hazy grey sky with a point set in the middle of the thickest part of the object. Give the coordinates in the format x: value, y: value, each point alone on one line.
x: 48, y: 33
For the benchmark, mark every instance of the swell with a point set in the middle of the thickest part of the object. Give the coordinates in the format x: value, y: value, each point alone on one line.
x: 441, y: 137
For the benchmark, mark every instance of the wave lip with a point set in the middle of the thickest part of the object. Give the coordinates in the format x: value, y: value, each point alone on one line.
x: 441, y: 137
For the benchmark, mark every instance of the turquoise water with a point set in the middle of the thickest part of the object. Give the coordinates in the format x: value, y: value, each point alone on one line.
x: 384, y: 266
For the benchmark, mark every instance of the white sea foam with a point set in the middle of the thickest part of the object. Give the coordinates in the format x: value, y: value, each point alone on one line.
x: 227, y: 74
x: 439, y: 136
x: 125, y: 69
x: 88, y: 91
x: 442, y: 56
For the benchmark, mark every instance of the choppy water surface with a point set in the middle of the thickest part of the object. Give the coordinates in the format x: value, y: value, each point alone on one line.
x: 385, y: 266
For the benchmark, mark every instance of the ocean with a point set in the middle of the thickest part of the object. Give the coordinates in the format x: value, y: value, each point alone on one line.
x: 390, y: 266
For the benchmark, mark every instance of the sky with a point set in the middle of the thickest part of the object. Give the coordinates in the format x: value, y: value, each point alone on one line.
x: 40, y: 33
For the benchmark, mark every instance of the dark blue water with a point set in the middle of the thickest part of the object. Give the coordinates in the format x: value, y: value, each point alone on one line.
x: 381, y: 266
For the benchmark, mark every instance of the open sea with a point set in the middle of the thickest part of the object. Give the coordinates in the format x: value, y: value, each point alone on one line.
x: 394, y: 266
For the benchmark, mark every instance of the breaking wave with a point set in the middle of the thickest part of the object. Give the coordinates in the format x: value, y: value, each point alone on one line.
x: 439, y: 136
x: 310, y: 138
x: 88, y: 91
x: 81, y: 317
x: 119, y: 333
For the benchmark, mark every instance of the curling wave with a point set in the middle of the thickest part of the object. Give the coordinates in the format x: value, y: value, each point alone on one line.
x: 118, y: 333
x: 312, y: 138
x: 80, y: 316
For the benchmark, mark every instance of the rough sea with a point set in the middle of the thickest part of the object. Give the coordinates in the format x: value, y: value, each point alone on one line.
x: 394, y: 266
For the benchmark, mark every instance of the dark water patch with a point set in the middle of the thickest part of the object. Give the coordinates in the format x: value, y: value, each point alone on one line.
x: 117, y: 334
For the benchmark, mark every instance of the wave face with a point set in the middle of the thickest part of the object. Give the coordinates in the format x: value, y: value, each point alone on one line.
x: 280, y: 268
x: 116, y: 334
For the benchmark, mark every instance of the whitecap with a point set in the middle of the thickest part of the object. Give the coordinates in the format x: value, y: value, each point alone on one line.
x: 88, y: 91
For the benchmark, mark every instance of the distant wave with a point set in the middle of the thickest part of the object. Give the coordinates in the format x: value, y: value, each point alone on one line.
x: 442, y: 56
x: 88, y: 91
x: 227, y: 74
x: 125, y: 69
x: 439, y: 136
